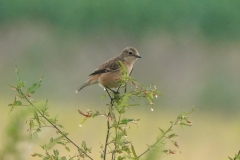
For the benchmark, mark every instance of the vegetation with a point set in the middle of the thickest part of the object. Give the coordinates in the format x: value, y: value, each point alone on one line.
x: 115, y: 146
x: 218, y: 20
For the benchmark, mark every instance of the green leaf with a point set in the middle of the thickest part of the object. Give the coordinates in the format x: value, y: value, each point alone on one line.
x: 126, y: 97
x: 134, y: 153
x: 20, y: 84
x: 16, y: 103
x: 114, y: 124
x: 37, y: 118
x: 37, y: 154
x: 161, y: 130
x: 103, y: 96
x: 84, y: 144
x: 95, y: 114
x: 12, y: 87
x: 67, y: 148
x: 184, y: 124
x: 150, y: 96
x: 35, y: 86
x: 31, y: 124
x: 63, y: 158
x: 172, y: 135
x: 52, y: 120
x: 62, y: 143
x: 61, y: 126
x: 52, y: 143
x: 125, y: 121
x: 56, y: 152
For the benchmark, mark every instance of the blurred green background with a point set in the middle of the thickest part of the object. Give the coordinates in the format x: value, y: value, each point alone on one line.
x: 190, y: 50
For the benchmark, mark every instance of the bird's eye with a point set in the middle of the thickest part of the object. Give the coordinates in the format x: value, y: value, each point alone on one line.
x: 130, y: 53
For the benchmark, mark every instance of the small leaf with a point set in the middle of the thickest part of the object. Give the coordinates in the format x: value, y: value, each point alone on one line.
x: 35, y: 86
x: 52, y: 120
x: 67, y: 148
x: 31, y: 124
x: 125, y: 121
x: 126, y: 97
x: 64, y: 158
x: 184, y: 124
x: 16, y: 103
x: 52, y: 143
x: 134, y: 153
x: 172, y: 135
x: 56, y: 152
x: 103, y: 96
x: 12, y: 87
x: 95, y: 114
x: 37, y: 118
x: 161, y: 130
x: 61, y: 126
x: 84, y: 144
x: 150, y: 96
x: 36, y: 154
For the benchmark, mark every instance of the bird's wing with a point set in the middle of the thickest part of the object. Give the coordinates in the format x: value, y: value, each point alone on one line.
x: 110, y: 66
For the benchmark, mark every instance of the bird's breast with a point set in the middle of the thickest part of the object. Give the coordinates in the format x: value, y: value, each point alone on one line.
x: 110, y: 79
x: 128, y: 67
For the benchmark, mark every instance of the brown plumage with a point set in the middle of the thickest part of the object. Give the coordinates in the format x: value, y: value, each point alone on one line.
x: 107, y: 73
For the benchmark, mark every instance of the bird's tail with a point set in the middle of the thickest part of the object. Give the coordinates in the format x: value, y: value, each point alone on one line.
x: 84, y: 85
x: 92, y: 80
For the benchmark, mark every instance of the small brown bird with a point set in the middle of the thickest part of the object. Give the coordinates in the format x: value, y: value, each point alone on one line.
x: 107, y: 74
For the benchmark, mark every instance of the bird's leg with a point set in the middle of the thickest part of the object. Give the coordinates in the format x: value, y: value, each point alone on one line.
x: 110, y: 97
x: 108, y: 93
x: 115, y: 92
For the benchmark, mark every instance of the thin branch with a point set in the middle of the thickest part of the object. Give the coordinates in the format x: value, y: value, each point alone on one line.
x: 163, y: 136
x: 64, y: 135
x: 116, y: 132
x: 107, y: 137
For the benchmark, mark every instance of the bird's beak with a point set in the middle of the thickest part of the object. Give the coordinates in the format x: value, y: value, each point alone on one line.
x: 138, y: 56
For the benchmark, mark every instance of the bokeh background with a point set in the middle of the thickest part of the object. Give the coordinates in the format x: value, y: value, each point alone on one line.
x: 190, y: 51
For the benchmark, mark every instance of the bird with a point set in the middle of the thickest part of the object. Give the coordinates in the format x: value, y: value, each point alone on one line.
x: 109, y: 72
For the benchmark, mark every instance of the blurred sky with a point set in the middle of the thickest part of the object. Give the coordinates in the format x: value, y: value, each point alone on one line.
x: 190, y: 50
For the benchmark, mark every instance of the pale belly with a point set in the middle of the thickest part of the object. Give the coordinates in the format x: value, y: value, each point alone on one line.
x: 110, y: 79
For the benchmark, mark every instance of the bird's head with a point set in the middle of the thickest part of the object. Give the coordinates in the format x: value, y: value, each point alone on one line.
x: 130, y: 55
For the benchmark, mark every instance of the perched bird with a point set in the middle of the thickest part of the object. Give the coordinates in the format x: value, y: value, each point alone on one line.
x: 107, y: 74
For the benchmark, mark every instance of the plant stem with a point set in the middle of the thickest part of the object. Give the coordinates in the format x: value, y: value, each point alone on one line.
x: 116, y: 132
x: 163, y: 136
x: 107, y: 137
x: 64, y: 135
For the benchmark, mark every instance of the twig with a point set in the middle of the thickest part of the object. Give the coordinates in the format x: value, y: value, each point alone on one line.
x: 107, y: 137
x: 116, y: 132
x: 159, y: 139
x: 237, y: 156
x: 64, y: 135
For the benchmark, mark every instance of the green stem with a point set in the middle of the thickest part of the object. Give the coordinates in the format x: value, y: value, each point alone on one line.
x: 107, y: 137
x: 64, y: 135
x: 159, y: 139
x: 116, y: 132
